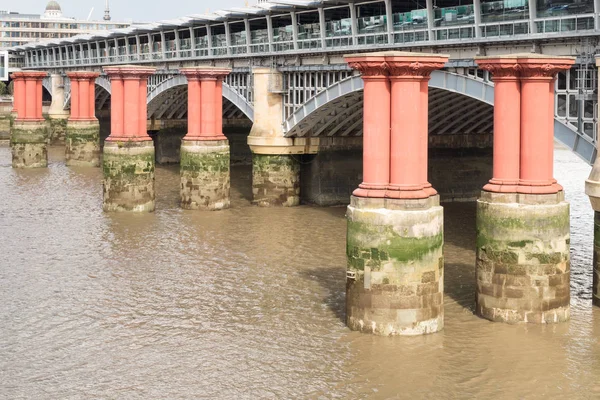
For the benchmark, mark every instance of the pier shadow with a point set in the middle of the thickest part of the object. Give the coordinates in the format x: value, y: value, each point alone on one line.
x: 333, y: 281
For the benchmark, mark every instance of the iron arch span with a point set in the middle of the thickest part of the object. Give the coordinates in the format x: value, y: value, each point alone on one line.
x: 457, y: 103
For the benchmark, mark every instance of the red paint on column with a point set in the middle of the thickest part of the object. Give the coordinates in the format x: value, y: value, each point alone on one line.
x: 28, y: 94
x: 128, y: 102
x: 376, y: 124
x: 84, y: 98
x: 537, y: 127
x: 409, y: 75
x: 38, y: 99
x: 507, y: 123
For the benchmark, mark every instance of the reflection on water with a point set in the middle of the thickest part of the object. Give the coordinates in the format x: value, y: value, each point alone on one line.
x: 249, y: 303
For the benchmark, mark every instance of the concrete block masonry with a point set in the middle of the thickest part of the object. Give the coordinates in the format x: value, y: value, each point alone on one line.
x: 275, y: 180
x: 128, y: 169
x: 204, y: 172
x: 82, y: 144
x: 523, y: 263
x: 28, y: 142
x: 395, y: 274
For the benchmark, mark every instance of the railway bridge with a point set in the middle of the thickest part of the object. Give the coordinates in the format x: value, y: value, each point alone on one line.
x: 318, y: 79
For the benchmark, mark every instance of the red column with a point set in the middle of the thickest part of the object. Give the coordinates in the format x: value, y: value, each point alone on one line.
x: 18, y: 93
x: 507, y: 122
x: 84, y: 98
x: 537, y: 127
x: 193, y: 106
x: 92, y: 100
x: 205, y: 102
x: 82, y: 95
x: 376, y: 124
x: 219, y: 106
x: 207, y: 105
x: 38, y: 99
x: 409, y: 75
x: 75, y: 114
x: 128, y: 102
x: 28, y: 94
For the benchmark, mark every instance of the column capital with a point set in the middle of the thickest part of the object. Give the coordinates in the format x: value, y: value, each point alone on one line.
x: 525, y: 65
x: 129, y: 71
x: 82, y: 75
x: 205, y: 73
x: 396, y: 63
x: 501, y: 68
x: 29, y: 75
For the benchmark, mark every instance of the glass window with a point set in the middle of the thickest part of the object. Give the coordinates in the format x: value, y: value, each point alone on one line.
x: 508, y: 10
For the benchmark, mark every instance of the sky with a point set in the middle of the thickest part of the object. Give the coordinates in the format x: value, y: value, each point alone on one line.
x: 120, y: 10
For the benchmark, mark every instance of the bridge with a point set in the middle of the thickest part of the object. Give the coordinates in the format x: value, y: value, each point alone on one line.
x: 304, y: 76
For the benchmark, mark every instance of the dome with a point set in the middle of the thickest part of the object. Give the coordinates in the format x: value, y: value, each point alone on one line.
x: 53, y: 6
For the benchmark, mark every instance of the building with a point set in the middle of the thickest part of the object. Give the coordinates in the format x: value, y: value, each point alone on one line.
x: 17, y: 29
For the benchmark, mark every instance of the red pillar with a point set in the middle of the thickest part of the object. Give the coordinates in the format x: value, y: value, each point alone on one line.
x: 18, y: 93
x: 507, y: 122
x: 205, y: 103
x: 537, y: 125
x: 376, y: 124
x: 28, y: 95
x: 82, y: 95
x: 128, y: 102
x: 75, y: 114
x: 409, y: 75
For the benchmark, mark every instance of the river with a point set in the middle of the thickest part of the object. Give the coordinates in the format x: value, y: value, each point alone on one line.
x: 249, y: 303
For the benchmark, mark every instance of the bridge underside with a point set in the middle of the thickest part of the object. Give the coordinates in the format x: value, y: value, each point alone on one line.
x: 450, y: 113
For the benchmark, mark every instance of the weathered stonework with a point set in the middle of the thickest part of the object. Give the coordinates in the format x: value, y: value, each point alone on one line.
x: 5, y: 125
x: 57, y: 128
x: 28, y: 142
x: 275, y: 180
x: 204, y: 171
x: 82, y: 144
x: 128, y: 169
x: 523, y: 269
x: 596, y: 277
x: 168, y: 144
x: 395, y: 275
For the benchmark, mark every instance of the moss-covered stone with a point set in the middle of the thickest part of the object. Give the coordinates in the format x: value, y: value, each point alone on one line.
x: 523, y: 261
x: 28, y: 142
x: 275, y: 180
x: 57, y: 130
x: 128, y: 170
x: 395, y: 270
x: 204, y: 171
x: 82, y: 143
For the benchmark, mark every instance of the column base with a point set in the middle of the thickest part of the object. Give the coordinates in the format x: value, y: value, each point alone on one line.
x: 395, y: 275
x: 82, y: 143
x: 128, y: 169
x: 523, y: 270
x: 275, y: 180
x: 28, y: 142
x: 204, y: 172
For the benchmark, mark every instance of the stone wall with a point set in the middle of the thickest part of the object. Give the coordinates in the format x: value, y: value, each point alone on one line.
x: 459, y: 166
x: 329, y: 177
x: 5, y: 120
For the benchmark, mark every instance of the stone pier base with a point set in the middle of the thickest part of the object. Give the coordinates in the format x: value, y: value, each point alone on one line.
x: 204, y: 171
x: 82, y: 143
x: 523, y: 258
x: 128, y: 169
x: 596, y: 277
x: 395, y: 275
x: 275, y: 180
x: 28, y: 141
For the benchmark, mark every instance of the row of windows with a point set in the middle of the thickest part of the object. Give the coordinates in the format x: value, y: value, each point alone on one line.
x: 51, y: 25
x: 39, y: 35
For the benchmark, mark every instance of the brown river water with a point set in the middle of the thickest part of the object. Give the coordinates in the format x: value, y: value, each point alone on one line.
x: 249, y: 303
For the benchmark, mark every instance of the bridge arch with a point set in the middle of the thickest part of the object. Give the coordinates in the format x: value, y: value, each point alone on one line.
x: 167, y: 99
x: 458, y: 103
